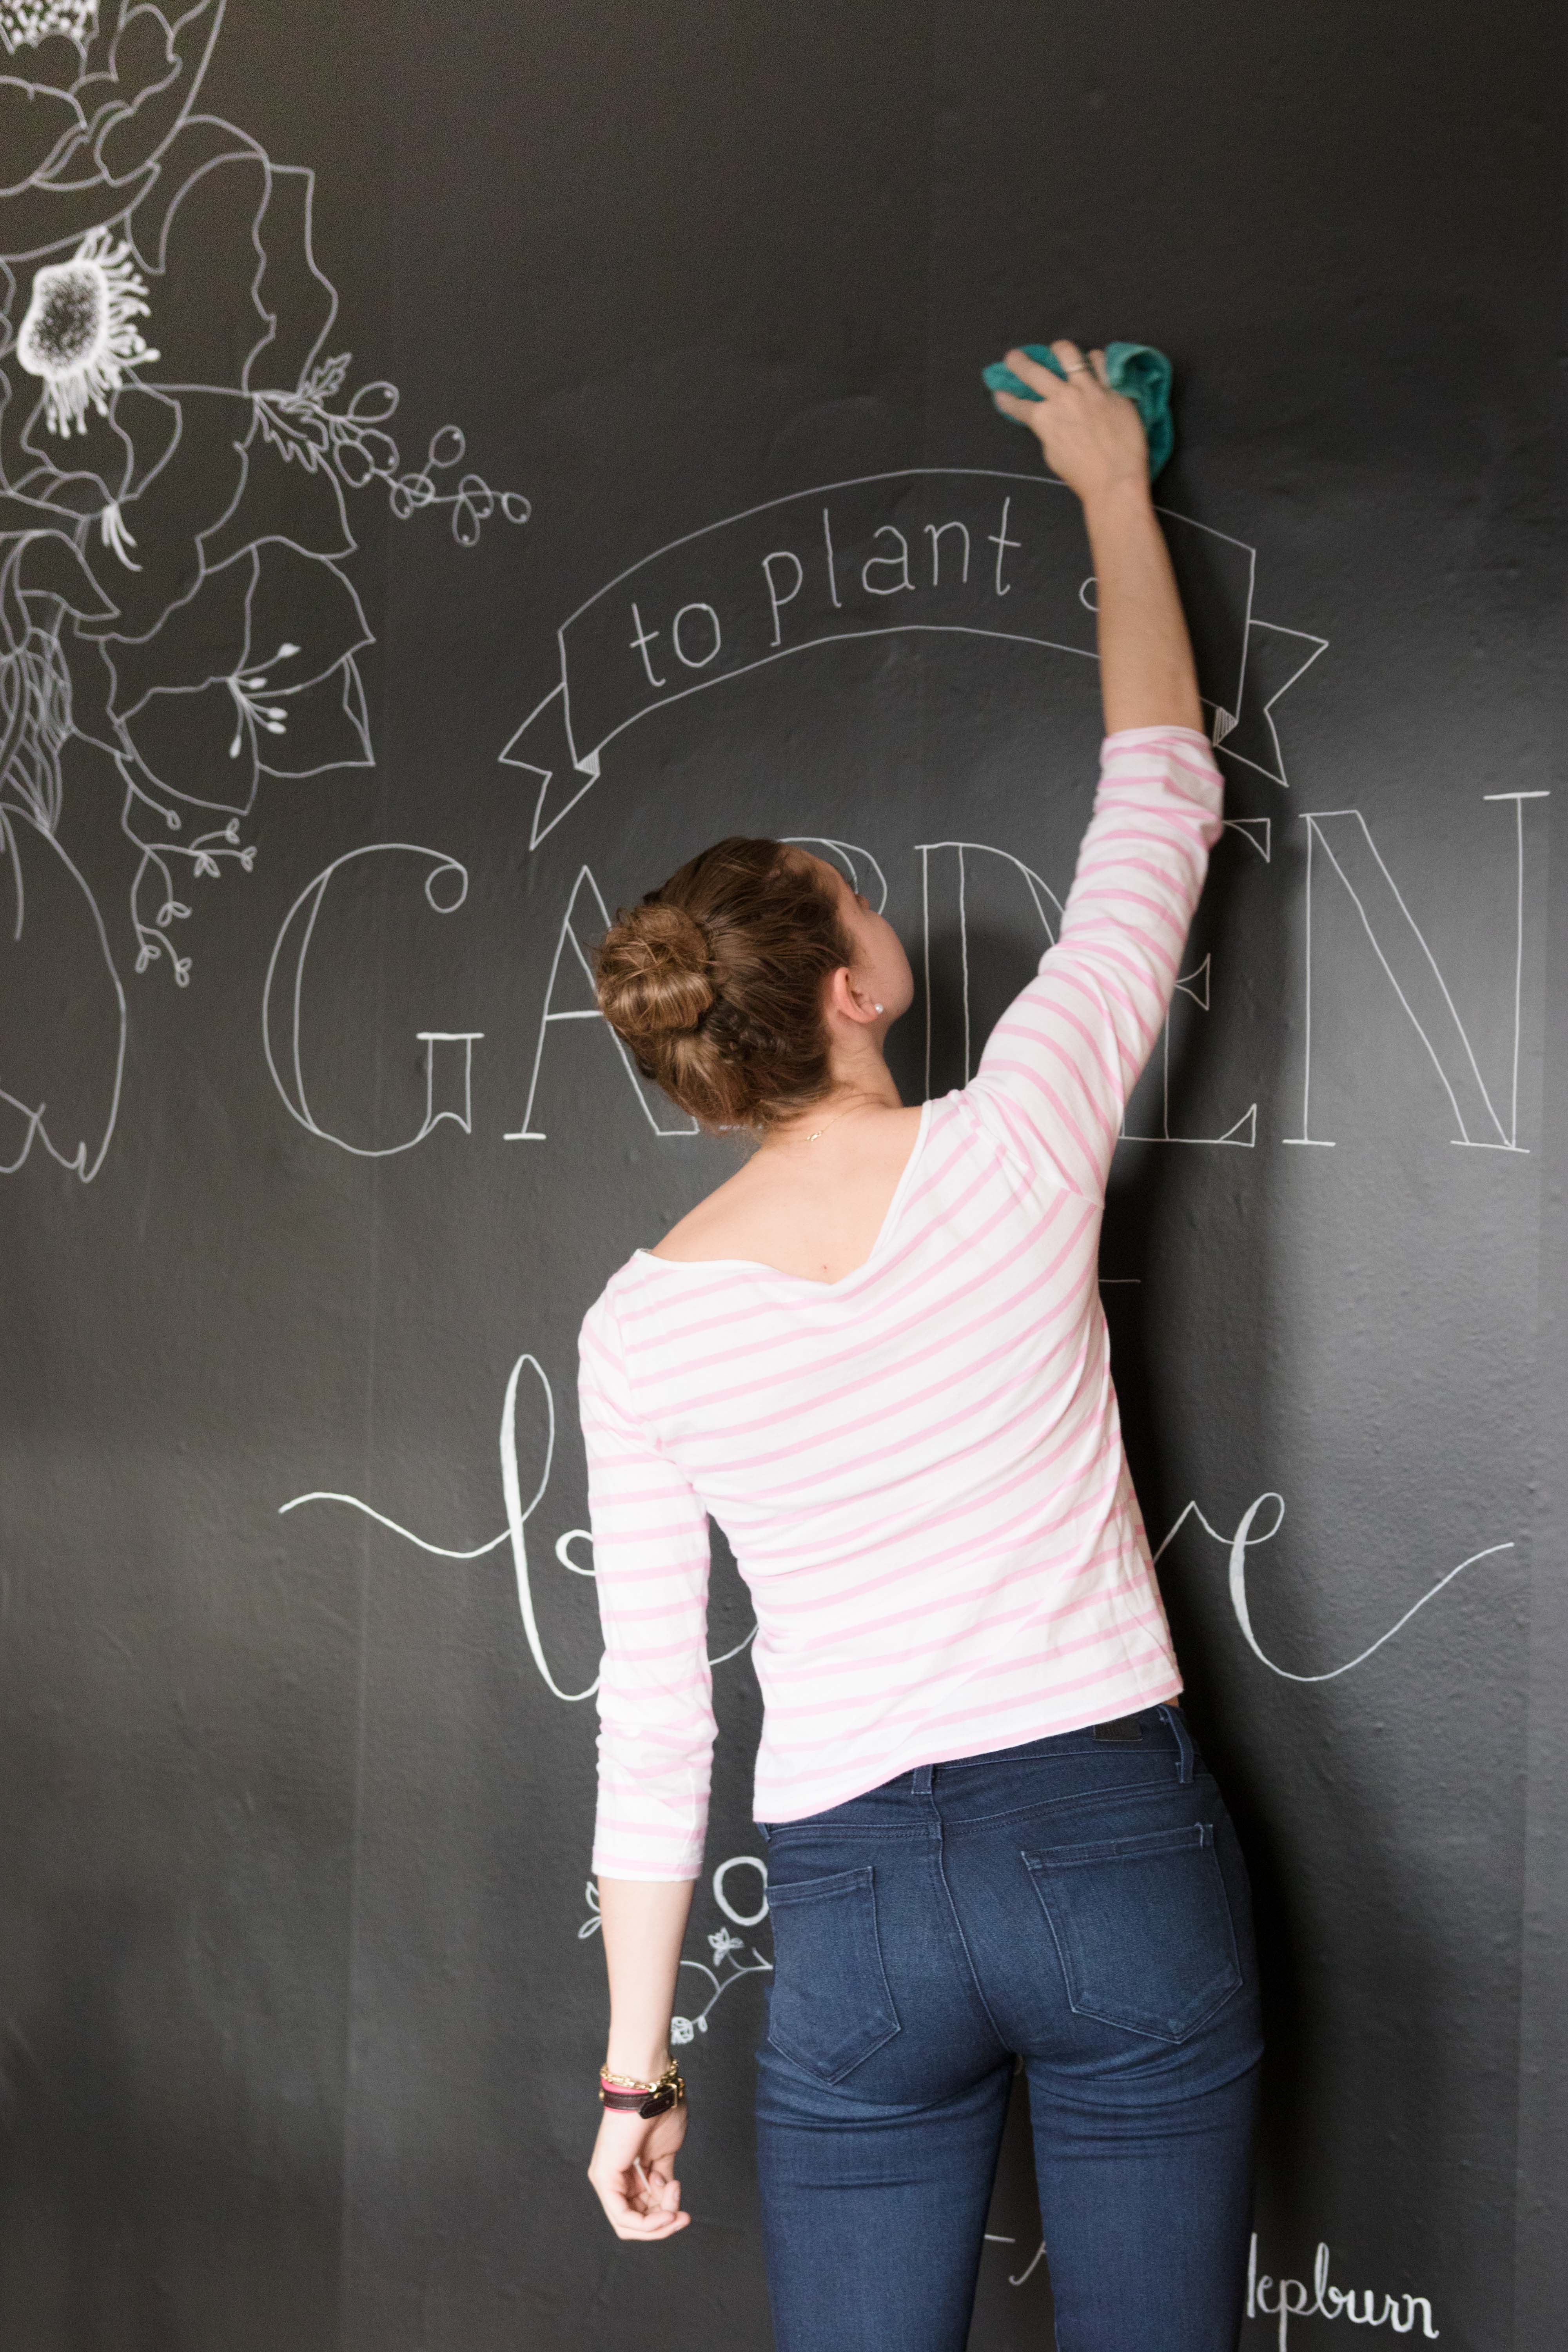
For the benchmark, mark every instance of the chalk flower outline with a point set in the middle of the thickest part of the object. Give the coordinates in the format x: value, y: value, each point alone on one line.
x: 78, y: 333
x: 189, y: 477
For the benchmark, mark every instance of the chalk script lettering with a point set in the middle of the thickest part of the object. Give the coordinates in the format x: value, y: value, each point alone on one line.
x: 934, y: 532
x: 898, y: 563
x: 783, y: 555
x: 1399, y: 2311
x: 1001, y: 542
x: 833, y: 596
x: 515, y: 1534
x: 642, y: 638
x: 741, y: 1861
x: 697, y: 661
x: 835, y: 561
x: 1244, y: 1541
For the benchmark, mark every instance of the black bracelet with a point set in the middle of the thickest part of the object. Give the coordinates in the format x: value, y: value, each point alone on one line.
x: 643, y: 2099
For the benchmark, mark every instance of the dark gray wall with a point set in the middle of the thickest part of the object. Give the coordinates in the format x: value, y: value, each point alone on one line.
x: 301, y: 1995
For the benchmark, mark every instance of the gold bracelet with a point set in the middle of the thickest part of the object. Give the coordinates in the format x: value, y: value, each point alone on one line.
x: 635, y: 2082
x: 628, y: 2096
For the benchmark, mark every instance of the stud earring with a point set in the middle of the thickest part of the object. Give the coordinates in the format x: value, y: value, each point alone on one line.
x: 878, y: 1008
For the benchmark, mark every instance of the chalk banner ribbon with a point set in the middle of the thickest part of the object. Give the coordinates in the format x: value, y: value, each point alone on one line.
x: 959, y: 549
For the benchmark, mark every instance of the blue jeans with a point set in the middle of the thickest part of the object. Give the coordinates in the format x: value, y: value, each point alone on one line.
x: 1081, y: 1902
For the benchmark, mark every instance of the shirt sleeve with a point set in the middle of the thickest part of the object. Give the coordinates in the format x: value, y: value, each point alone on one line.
x: 1063, y: 1059
x: 656, y: 1687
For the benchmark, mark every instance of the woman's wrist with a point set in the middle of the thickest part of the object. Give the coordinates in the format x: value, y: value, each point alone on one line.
x: 1126, y: 499
x: 638, y: 2062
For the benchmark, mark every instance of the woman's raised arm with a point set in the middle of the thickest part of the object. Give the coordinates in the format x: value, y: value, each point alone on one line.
x: 1093, y: 438
x: 1062, y: 1062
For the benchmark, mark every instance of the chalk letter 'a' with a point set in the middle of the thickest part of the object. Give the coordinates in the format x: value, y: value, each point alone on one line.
x: 572, y: 975
x: 898, y: 564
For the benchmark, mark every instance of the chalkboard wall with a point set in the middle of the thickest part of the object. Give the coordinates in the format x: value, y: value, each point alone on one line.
x: 457, y: 462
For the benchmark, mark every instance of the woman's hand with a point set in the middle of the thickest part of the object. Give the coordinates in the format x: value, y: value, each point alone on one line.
x: 633, y: 2172
x: 1092, y: 437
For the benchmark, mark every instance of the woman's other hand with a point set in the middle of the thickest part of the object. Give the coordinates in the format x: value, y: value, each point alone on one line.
x: 1092, y: 437
x: 633, y: 2173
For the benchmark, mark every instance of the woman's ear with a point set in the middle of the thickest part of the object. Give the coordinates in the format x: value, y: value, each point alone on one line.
x: 846, y: 996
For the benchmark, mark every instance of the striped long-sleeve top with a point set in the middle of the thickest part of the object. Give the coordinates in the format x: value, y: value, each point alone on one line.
x: 919, y: 1467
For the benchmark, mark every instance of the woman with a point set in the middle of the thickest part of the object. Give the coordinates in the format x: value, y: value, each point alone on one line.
x: 877, y: 1356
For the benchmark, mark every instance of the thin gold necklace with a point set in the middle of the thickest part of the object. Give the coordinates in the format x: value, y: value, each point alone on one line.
x: 818, y: 1130
x: 832, y: 1122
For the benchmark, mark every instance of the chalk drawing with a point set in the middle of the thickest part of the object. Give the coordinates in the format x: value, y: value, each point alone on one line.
x: 515, y: 1534
x: 625, y: 651
x: 1398, y: 2312
x: 1245, y: 1539
x: 654, y: 1106
x: 1257, y: 832
x: 1195, y: 986
x: 1040, y: 895
x: 79, y: 334
x: 1047, y: 908
x: 1292, y: 2298
x: 1344, y: 838
x: 858, y: 867
x: 176, y: 439
x: 25, y: 22
x: 723, y: 1944
x: 996, y: 2238
x: 1266, y: 644
x: 280, y: 1034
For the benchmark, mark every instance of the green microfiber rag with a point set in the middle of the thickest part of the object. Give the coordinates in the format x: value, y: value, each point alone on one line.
x: 1136, y: 369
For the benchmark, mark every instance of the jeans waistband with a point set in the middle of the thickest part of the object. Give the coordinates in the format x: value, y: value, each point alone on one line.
x: 1151, y: 1726
x: 1155, y: 1731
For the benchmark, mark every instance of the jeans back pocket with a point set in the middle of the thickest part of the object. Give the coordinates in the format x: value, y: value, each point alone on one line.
x: 1142, y: 1928
x: 829, y: 2007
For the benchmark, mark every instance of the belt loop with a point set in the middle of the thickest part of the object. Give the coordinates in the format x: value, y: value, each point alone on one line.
x: 1183, y: 1739
x: 920, y: 1785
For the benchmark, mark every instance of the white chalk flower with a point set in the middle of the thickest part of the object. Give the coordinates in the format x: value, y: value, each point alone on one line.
x: 78, y: 333
x: 680, y: 2029
x: 25, y: 22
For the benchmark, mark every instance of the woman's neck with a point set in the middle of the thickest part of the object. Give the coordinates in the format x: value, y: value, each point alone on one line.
x: 867, y: 1089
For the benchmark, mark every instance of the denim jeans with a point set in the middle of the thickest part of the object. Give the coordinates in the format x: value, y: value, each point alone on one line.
x: 1079, y: 1902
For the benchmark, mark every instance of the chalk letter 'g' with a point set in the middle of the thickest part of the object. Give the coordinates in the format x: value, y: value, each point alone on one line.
x: 445, y: 888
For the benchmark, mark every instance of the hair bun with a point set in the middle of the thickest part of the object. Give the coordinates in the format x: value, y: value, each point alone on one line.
x: 653, y: 972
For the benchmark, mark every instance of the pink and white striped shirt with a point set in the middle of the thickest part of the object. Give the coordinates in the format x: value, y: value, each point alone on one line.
x: 919, y: 1467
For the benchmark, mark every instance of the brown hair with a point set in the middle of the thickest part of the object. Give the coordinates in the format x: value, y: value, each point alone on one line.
x: 715, y: 982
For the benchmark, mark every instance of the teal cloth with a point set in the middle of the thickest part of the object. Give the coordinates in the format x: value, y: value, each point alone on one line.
x: 1136, y: 369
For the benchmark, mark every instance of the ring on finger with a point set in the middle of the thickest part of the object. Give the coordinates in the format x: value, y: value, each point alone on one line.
x: 1077, y: 367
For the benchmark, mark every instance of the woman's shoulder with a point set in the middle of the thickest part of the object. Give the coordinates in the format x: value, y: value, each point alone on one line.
x: 601, y: 1329
x: 709, y: 1229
